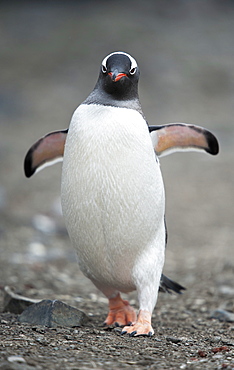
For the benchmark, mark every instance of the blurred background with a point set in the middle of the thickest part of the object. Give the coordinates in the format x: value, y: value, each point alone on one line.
x: 50, y: 53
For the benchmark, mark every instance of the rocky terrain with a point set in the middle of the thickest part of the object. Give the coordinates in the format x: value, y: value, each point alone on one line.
x: 49, y: 56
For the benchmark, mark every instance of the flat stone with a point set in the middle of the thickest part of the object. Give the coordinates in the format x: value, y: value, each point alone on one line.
x: 222, y: 315
x: 16, y: 303
x: 53, y: 314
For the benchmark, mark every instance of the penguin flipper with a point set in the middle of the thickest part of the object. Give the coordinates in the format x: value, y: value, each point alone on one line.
x: 45, y: 152
x: 175, y: 137
x: 168, y: 285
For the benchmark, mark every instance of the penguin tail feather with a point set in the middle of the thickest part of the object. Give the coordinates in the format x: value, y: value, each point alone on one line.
x: 168, y: 286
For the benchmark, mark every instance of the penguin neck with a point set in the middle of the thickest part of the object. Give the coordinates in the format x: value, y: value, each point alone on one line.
x: 101, y: 97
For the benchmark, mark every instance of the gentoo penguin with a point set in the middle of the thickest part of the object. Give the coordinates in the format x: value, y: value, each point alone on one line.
x: 112, y: 190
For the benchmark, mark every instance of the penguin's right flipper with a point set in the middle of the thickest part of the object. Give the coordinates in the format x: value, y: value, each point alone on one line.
x: 45, y: 152
x: 168, y: 285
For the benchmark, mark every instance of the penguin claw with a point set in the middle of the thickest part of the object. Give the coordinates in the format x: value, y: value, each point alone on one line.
x: 137, y: 333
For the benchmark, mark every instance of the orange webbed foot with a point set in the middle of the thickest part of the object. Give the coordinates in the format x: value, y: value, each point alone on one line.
x: 120, y: 312
x: 141, y: 327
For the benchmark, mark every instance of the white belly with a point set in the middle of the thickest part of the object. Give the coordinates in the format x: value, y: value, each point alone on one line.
x: 112, y: 193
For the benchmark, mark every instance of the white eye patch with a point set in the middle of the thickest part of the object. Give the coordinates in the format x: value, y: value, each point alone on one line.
x: 133, y: 61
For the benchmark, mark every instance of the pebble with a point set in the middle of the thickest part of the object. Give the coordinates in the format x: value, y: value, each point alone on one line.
x: 44, y: 224
x: 222, y: 315
x: 227, y: 290
x: 215, y: 339
x: 220, y: 349
x: 199, y: 301
x: 173, y: 339
x: 228, y: 342
x: 218, y: 356
x: 19, y: 359
x: 37, y: 250
x: 4, y: 322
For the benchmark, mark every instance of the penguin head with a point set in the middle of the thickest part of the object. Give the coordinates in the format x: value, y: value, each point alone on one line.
x: 119, y: 75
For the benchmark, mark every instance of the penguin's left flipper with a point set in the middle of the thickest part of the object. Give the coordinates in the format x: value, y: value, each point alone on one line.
x: 45, y: 152
x: 175, y: 137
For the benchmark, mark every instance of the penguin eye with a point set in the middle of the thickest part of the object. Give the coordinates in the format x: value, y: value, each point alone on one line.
x: 132, y: 71
x: 104, y: 69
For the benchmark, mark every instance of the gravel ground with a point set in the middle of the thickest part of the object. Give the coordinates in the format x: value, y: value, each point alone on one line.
x: 50, y: 55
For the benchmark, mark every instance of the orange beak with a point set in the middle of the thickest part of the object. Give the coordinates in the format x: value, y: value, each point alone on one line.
x: 116, y: 77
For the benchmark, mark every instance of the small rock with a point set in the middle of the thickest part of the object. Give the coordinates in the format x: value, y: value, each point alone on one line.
x: 37, y: 250
x: 15, y: 303
x: 199, y: 301
x: 220, y: 349
x: 19, y: 359
x: 4, y: 322
x: 222, y: 315
x: 215, y: 339
x: 53, y: 314
x: 44, y: 224
x: 173, y: 339
x: 217, y: 356
x: 93, y: 297
x: 228, y: 342
x: 117, y: 331
x: 227, y: 290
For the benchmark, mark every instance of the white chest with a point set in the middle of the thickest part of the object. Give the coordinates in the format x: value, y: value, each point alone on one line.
x: 112, y: 190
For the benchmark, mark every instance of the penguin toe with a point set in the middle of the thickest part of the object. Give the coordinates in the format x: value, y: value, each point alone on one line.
x: 121, y: 316
x: 120, y: 312
x: 141, y: 327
